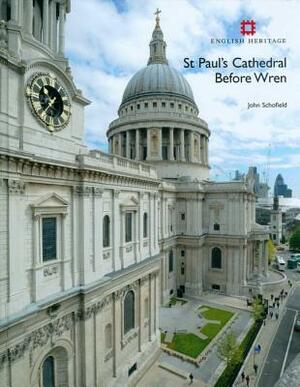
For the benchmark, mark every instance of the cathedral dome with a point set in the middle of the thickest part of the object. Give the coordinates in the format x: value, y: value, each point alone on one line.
x: 158, y: 79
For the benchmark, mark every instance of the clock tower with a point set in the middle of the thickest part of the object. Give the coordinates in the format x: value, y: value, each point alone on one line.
x: 41, y: 110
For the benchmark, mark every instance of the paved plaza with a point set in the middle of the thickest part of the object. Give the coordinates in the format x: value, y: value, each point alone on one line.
x: 186, y: 318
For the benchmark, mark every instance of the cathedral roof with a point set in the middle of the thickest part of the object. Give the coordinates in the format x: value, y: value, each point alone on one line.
x: 158, y: 78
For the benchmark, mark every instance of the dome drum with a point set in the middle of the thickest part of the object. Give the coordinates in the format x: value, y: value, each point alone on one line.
x: 166, y: 143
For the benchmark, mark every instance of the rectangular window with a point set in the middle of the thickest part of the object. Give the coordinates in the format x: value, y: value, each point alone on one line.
x: 49, y: 235
x: 183, y: 216
x: 154, y: 104
x: 163, y: 104
x: 172, y: 105
x: 128, y: 227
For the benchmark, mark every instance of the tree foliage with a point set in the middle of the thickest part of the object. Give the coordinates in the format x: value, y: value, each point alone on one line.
x: 229, y: 350
x: 257, y: 309
x: 295, y: 240
x: 271, y: 251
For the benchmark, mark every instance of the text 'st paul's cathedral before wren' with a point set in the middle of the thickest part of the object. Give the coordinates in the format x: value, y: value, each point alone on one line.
x: 93, y: 243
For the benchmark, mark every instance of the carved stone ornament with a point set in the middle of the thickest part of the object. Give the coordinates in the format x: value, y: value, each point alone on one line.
x: 96, y: 308
x: 82, y: 190
x: 37, y: 338
x: 98, y: 192
x: 16, y: 186
x: 3, y: 35
x: 129, y: 337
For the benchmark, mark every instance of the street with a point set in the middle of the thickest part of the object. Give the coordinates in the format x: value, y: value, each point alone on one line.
x: 277, y: 354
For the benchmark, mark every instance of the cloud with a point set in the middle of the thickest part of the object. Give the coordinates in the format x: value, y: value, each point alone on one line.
x: 107, y: 42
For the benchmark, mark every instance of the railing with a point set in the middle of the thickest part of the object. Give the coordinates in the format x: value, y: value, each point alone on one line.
x: 117, y: 163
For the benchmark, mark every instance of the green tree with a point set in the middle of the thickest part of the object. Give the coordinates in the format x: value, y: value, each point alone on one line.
x: 295, y: 240
x: 271, y: 251
x: 229, y: 350
x: 257, y: 309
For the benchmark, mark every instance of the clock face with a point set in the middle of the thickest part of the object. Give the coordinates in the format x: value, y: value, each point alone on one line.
x: 49, y: 101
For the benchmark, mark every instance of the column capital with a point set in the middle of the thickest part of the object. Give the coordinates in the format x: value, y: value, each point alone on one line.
x: 16, y: 187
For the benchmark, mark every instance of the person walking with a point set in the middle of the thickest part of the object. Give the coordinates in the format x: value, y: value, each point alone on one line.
x: 276, y: 315
x: 255, y: 367
x: 243, y: 376
x: 248, y: 380
x: 191, y: 376
x: 271, y: 314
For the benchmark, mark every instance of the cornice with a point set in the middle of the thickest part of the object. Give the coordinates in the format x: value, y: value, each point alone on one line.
x: 30, y: 168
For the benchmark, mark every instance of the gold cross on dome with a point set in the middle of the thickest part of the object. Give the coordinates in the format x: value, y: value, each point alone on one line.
x: 158, y: 11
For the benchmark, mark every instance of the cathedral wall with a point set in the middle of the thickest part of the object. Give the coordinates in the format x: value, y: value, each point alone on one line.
x: 3, y: 248
x: 10, y: 107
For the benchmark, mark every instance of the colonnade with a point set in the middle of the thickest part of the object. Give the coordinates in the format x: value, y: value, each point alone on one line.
x: 42, y: 23
x: 161, y: 144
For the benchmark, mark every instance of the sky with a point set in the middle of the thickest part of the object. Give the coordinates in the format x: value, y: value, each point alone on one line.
x: 107, y: 42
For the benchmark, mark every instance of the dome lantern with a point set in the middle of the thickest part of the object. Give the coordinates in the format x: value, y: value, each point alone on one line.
x: 157, y: 44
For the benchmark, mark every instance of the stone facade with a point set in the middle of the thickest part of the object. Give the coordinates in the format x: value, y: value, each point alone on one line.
x: 122, y: 226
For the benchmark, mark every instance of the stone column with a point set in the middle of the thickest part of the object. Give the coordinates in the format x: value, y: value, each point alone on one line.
x: 61, y: 49
x: 150, y: 307
x: 116, y: 230
x: 171, y: 144
x: 137, y: 144
x: 202, y: 149
x: 14, y: 11
x: 128, y: 144
x: 17, y: 292
x: 29, y: 17
x: 160, y: 144
x: 190, y: 145
x: 63, y: 251
x: 148, y: 144
x: 199, y: 150
x: 182, y: 155
x: 21, y: 13
x: 53, y: 26
x: 46, y: 22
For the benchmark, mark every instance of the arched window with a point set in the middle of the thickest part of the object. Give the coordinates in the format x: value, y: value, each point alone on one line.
x: 48, y: 376
x: 128, y: 311
x: 216, y: 258
x: 106, y: 231
x: 171, y: 261
x: 108, y: 336
x: 216, y: 227
x: 145, y: 225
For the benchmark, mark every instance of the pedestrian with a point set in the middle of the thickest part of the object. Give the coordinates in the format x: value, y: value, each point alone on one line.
x: 259, y: 348
x: 271, y: 314
x: 248, y: 380
x: 243, y: 376
x: 191, y: 376
x: 291, y: 284
x: 272, y: 296
x: 255, y: 367
x: 276, y: 315
x: 274, y: 304
x: 278, y: 304
x: 264, y: 322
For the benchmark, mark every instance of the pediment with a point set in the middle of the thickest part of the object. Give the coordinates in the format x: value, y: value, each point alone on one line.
x: 50, y: 203
x: 130, y: 203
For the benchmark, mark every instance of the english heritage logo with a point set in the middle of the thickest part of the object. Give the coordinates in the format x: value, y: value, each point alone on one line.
x: 247, y: 30
x: 248, y: 27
